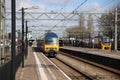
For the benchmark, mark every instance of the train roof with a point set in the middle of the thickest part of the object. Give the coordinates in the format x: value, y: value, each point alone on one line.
x: 51, y: 34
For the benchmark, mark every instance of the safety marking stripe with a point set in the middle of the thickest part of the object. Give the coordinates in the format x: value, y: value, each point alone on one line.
x: 59, y: 69
x: 41, y: 71
x: 48, y: 68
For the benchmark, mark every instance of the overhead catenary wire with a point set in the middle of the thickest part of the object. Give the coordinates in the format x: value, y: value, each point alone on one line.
x: 71, y: 12
x: 79, y: 6
x: 62, y: 6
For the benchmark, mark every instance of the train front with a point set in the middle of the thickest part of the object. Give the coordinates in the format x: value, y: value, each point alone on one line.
x: 51, y: 44
x: 105, y: 43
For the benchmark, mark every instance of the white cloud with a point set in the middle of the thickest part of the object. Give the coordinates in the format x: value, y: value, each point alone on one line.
x: 26, y: 3
x: 55, y: 2
x: 92, y: 7
x: 44, y: 5
x: 19, y: 4
x: 8, y: 5
x: 97, y: 7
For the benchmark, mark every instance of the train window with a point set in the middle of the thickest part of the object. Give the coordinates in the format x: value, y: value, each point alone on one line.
x: 51, y: 41
x: 106, y: 39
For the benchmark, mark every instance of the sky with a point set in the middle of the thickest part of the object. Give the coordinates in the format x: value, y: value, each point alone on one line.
x: 93, y: 6
x: 63, y: 5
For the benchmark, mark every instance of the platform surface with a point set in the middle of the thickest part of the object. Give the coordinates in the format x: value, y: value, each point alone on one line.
x: 39, y: 67
x: 106, y: 53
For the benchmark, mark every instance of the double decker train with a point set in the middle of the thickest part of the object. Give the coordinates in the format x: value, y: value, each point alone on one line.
x: 49, y: 45
x: 102, y: 42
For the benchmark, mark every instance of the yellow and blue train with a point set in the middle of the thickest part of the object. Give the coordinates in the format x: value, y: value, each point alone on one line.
x: 102, y: 42
x: 49, y: 44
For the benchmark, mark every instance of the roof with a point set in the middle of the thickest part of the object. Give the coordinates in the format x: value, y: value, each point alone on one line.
x: 49, y: 35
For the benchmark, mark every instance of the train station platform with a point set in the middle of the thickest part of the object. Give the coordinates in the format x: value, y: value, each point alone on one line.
x: 105, y: 57
x: 105, y: 53
x: 29, y: 71
x: 39, y: 67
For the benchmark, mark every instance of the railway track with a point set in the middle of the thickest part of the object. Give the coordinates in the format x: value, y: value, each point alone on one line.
x: 72, y: 73
x: 80, y: 69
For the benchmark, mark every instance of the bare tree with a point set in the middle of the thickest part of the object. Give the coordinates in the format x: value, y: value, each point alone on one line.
x: 82, y: 23
x: 90, y: 25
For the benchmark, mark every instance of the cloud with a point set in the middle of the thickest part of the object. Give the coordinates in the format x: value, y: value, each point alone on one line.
x: 19, y: 4
x: 27, y: 3
x: 96, y: 7
x: 56, y: 2
x: 8, y: 4
x: 30, y: 3
x: 44, y: 5
x: 91, y: 7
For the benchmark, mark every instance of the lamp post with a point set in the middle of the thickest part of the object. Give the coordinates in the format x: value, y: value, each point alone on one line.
x: 26, y: 40
x: 23, y: 44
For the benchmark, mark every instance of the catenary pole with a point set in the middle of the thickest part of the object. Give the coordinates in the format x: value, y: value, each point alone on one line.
x: 13, y: 44
x: 116, y: 29
x: 26, y: 39
x: 23, y: 37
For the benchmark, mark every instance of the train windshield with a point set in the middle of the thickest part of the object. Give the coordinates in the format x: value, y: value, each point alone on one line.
x: 49, y: 41
x: 106, y: 39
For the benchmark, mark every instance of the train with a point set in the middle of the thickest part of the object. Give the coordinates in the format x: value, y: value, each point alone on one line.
x: 49, y: 44
x: 101, y: 42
